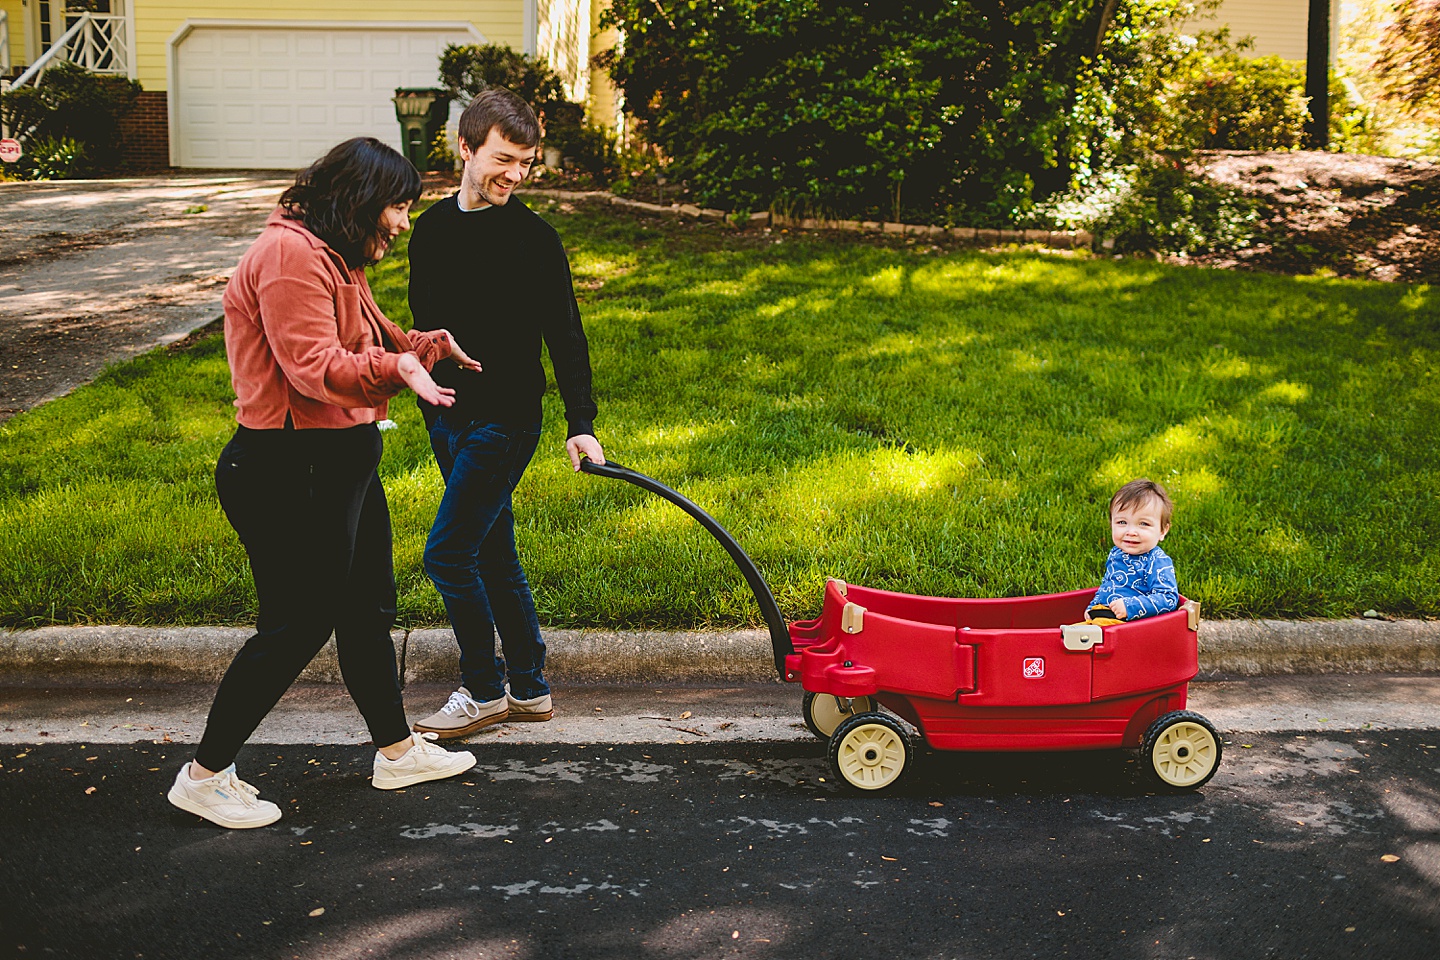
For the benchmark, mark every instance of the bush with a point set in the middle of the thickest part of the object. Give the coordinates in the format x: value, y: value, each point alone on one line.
x: 52, y: 159
x: 441, y: 157
x: 1166, y: 209
x: 465, y: 70
x: 1232, y: 102
x: 591, y: 150
x: 929, y: 109
x: 72, y: 104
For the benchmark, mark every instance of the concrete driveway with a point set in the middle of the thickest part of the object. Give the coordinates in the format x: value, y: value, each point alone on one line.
x: 96, y: 271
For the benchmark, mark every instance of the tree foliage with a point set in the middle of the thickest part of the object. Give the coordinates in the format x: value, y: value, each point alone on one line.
x: 940, y: 109
x: 1409, y: 54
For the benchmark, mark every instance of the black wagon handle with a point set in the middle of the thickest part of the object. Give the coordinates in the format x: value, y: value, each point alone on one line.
x: 779, y: 635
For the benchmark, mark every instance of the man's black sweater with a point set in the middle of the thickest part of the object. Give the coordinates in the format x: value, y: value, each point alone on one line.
x: 497, y: 278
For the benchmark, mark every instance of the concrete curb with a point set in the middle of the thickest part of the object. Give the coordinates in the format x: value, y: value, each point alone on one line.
x: 106, y: 655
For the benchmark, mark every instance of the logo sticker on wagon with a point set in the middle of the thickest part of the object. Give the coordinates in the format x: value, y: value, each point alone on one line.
x: 1033, y: 668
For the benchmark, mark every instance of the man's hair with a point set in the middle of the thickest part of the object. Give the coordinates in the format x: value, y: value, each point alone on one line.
x: 1141, y: 491
x: 340, y: 197
x: 497, y: 107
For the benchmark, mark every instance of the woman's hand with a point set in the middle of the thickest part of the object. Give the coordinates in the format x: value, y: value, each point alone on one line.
x: 413, y: 372
x: 463, y: 359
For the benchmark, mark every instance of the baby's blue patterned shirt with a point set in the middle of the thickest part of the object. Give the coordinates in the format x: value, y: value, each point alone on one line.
x: 1146, y: 582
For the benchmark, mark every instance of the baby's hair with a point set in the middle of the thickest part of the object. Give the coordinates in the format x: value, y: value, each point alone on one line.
x: 1140, y: 491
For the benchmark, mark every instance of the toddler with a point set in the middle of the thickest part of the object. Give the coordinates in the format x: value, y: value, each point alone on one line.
x: 1139, y: 576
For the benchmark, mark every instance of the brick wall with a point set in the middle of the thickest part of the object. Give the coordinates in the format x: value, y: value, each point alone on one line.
x: 145, y: 134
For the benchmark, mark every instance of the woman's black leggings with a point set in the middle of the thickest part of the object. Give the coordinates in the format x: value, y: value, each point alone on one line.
x: 309, y: 508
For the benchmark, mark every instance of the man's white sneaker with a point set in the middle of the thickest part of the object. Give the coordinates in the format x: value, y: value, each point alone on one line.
x: 224, y: 799
x: 462, y: 715
x: 423, y: 761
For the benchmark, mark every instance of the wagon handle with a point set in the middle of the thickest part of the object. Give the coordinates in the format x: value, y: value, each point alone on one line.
x: 779, y: 635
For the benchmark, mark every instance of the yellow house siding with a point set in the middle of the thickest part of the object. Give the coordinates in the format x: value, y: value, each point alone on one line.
x: 499, y: 21
x: 1280, y: 27
x: 16, y: 21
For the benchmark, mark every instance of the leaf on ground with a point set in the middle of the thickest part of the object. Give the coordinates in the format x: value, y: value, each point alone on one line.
x: 317, y: 911
x: 90, y: 790
x: 1389, y: 858
x: 686, y: 715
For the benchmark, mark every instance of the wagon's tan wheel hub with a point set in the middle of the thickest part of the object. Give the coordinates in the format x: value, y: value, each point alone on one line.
x: 871, y: 756
x: 825, y: 712
x: 1184, y: 754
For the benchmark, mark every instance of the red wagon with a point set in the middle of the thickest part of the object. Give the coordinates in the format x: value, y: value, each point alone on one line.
x: 1019, y: 673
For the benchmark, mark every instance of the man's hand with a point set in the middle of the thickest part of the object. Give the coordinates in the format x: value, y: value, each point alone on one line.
x: 584, y: 445
x: 1118, y: 606
x: 413, y: 372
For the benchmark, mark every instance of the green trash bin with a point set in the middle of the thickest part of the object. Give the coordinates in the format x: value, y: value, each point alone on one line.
x: 421, y: 112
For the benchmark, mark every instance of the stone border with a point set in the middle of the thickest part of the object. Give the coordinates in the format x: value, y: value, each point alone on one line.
x: 110, y: 655
x: 1054, y: 239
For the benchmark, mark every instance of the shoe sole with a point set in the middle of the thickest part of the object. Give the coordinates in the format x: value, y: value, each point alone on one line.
x: 400, y: 783
x: 455, y: 733
x: 190, y: 806
x: 530, y: 717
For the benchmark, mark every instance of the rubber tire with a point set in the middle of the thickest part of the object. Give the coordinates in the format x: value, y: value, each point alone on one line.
x: 851, y: 742
x: 830, y: 710
x: 1194, y: 774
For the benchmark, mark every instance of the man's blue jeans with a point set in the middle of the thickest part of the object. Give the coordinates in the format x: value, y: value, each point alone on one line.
x: 470, y: 556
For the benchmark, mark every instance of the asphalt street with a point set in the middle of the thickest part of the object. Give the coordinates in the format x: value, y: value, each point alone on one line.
x: 1321, y: 840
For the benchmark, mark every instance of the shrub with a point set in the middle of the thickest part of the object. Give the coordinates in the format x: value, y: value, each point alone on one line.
x: 1163, y: 207
x: 591, y: 150
x: 465, y: 70
x: 441, y: 157
x: 928, y: 109
x: 1233, y: 102
x: 52, y: 159
x: 73, y: 104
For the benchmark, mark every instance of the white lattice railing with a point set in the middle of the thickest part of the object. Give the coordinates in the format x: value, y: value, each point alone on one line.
x: 99, y: 42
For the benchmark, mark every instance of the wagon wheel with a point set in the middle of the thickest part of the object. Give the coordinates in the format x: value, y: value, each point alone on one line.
x: 1182, y: 750
x: 823, y: 712
x: 870, y: 751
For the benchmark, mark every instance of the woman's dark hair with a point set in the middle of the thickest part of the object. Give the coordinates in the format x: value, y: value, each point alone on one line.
x: 340, y: 197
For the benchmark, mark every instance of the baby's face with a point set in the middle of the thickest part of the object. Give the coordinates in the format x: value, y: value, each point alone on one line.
x: 1136, y: 529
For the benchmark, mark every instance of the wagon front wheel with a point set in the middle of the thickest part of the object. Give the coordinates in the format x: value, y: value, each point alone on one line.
x: 870, y: 751
x: 823, y: 712
x: 1181, y: 750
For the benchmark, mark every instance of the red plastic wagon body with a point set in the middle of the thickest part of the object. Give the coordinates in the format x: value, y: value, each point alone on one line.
x: 998, y: 674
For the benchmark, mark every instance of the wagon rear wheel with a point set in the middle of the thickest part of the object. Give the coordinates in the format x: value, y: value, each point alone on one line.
x: 823, y: 712
x: 1181, y: 750
x: 870, y: 751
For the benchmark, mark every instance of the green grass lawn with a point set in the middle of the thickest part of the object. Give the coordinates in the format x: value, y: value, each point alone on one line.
x: 939, y: 422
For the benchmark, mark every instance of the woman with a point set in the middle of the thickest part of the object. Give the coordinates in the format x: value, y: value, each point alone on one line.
x: 313, y: 362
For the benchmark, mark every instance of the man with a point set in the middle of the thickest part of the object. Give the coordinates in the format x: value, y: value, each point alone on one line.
x: 489, y: 270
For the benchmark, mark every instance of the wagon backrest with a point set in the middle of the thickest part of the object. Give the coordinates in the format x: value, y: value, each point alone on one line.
x: 1023, y: 613
x: 1001, y: 613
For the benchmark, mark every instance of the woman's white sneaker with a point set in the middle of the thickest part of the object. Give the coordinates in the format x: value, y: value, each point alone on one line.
x: 423, y: 761
x: 223, y: 799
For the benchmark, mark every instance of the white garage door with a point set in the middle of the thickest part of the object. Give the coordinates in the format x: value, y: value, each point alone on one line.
x: 279, y: 96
